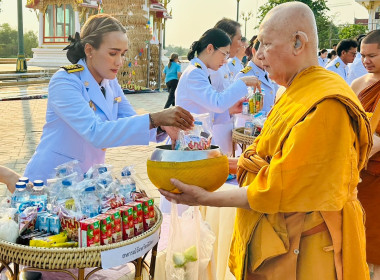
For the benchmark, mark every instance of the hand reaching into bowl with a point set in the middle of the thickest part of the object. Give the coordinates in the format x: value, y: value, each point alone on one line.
x: 174, y: 116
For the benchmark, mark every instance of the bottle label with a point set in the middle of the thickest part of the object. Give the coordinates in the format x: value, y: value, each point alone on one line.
x: 40, y: 201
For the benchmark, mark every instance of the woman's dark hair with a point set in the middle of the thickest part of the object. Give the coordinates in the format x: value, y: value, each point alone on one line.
x: 92, y: 33
x: 228, y: 25
x: 253, y: 43
x: 173, y: 57
x: 214, y: 36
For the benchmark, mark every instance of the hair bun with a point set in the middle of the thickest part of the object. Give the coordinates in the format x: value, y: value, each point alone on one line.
x: 195, y: 46
x: 75, y: 49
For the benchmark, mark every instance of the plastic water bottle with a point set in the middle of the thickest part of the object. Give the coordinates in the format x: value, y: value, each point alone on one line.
x: 127, y: 185
x: 64, y: 197
x: 29, y: 186
x: 20, y: 198
x: 90, y: 203
x: 38, y: 196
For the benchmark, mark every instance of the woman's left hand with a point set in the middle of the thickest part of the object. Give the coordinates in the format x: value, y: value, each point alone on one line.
x: 237, y: 108
x: 190, y: 195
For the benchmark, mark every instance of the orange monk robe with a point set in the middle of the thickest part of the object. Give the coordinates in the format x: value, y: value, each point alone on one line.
x: 315, y: 141
x: 369, y: 187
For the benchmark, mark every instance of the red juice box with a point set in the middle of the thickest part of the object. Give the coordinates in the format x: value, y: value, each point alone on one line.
x: 148, y: 212
x: 127, y: 220
x: 105, y: 229
x: 89, y: 233
x: 115, y: 225
x: 137, y: 217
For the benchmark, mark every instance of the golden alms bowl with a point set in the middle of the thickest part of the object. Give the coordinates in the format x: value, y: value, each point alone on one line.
x: 207, y: 169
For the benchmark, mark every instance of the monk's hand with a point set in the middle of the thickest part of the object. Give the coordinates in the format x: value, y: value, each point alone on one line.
x: 173, y: 116
x: 190, y: 195
x: 252, y: 81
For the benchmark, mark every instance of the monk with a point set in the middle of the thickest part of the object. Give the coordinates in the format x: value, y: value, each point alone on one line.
x: 367, y: 88
x: 298, y: 216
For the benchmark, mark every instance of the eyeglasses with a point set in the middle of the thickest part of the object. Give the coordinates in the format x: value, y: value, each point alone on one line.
x: 226, y: 55
x: 353, y: 53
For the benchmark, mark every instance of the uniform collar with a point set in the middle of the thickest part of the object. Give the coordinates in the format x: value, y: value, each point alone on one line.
x: 204, y: 68
x: 342, y: 64
x: 260, y: 73
x: 93, y: 89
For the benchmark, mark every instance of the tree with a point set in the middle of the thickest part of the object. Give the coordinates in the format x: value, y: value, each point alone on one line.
x: 350, y: 31
x: 9, y: 41
x: 176, y: 49
x: 327, y: 31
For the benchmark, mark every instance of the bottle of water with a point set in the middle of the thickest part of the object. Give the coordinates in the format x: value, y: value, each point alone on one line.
x: 90, y: 203
x: 65, y: 197
x: 38, y: 196
x: 20, y: 198
x: 29, y: 185
x: 127, y: 185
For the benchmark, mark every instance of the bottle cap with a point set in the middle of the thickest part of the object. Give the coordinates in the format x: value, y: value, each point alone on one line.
x: 24, y: 179
x: 126, y: 173
x: 198, y: 123
x: 90, y: 189
x: 66, y: 183
x: 38, y: 183
x: 102, y: 169
x: 20, y: 185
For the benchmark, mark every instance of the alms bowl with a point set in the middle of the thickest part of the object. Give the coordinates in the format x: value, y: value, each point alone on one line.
x: 207, y: 169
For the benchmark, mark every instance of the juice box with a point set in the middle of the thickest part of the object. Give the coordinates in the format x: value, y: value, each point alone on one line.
x: 54, y: 224
x: 148, y: 212
x: 105, y: 229
x: 127, y: 221
x: 89, y: 233
x: 115, y: 225
x: 137, y: 217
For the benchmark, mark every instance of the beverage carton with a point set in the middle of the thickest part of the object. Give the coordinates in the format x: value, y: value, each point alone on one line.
x: 89, y: 233
x: 115, y: 225
x: 127, y: 221
x: 148, y: 212
x: 54, y: 224
x: 137, y: 217
x: 105, y: 229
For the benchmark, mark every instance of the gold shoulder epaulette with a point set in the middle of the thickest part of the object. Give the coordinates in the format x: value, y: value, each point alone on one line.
x: 246, y: 69
x: 233, y: 62
x: 337, y: 65
x: 73, y: 68
x: 196, y: 64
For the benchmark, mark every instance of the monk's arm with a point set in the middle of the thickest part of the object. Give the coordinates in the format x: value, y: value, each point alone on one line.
x: 193, y: 195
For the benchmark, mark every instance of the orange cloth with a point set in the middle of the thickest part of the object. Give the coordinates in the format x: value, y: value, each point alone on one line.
x: 307, y: 159
x: 369, y: 97
x: 369, y: 187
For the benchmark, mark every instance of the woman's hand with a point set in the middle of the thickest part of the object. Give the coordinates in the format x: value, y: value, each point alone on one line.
x: 252, y: 81
x: 237, y: 108
x: 173, y: 116
x: 9, y: 177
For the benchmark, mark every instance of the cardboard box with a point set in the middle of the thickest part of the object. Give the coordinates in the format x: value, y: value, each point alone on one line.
x: 137, y: 217
x: 89, y: 233
x: 105, y: 229
x: 127, y: 221
x: 148, y: 212
x: 115, y: 225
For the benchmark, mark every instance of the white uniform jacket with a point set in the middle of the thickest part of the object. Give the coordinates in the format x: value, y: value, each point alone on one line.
x: 338, y: 66
x: 235, y: 65
x: 322, y: 61
x: 269, y: 87
x: 195, y: 94
x: 81, y: 123
x: 356, y: 69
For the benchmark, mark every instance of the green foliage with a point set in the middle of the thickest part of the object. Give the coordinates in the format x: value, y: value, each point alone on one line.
x: 9, y: 41
x: 327, y: 31
x: 176, y: 49
x: 350, y: 31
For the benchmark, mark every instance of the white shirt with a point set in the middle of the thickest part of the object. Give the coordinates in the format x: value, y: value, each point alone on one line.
x: 322, y: 61
x: 235, y: 65
x: 338, y: 66
x: 356, y: 69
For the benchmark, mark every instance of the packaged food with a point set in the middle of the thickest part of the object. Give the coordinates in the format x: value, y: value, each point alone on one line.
x: 54, y: 224
x: 137, y: 217
x: 70, y: 222
x: 127, y: 222
x: 27, y: 219
x: 115, y: 225
x: 105, y: 229
x: 89, y: 233
x: 148, y: 212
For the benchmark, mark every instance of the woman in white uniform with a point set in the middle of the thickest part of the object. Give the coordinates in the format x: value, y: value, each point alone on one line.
x: 255, y: 68
x: 195, y: 92
x: 87, y: 111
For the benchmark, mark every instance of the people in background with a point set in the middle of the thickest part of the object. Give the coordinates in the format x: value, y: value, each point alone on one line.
x: 346, y: 50
x: 172, y: 74
x: 356, y: 69
x: 235, y: 64
x: 322, y: 58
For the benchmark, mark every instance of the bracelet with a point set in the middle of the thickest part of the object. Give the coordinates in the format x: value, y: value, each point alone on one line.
x: 151, y: 121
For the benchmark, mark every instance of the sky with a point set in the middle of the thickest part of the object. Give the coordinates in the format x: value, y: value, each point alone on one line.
x: 191, y: 18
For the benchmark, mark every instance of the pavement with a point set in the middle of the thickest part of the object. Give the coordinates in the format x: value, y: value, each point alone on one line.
x: 21, y: 126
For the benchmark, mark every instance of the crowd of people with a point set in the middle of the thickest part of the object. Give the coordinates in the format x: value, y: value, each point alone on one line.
x: 298, y: 212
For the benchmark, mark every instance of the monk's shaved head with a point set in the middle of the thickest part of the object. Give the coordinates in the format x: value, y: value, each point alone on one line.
x: 288, y: 41
x: 291, y: 17
x: 372, y: 37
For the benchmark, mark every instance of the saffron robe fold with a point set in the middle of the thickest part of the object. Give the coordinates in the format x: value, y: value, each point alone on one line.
x: 369, y: 187
x: 315, y: 142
